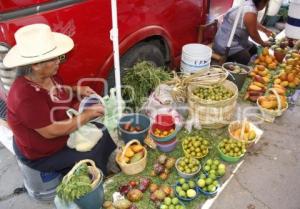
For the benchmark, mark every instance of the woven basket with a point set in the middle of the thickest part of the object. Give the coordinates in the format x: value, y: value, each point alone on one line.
x: 132, y: 168
x: 269, y: 114
x: 241, y: 124
x: 213, y: 114
x: 97, y: 175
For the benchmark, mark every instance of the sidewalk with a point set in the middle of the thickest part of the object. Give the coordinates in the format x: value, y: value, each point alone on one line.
x: 268, y: 179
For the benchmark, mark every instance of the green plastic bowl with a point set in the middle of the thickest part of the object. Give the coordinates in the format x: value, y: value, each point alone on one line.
x: 229, y: 159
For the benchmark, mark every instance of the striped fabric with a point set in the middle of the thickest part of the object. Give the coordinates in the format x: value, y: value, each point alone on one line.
x: 2, y: 110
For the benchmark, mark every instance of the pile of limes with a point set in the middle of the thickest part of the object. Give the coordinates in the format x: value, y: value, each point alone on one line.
x: 195, y: 146
x: 207, y: 183
x: 185, y: 188
x: 213, y: 167
x: 215, y: 93
x: 232, y: 148
x: 171, y: 203
x: 188, y: 165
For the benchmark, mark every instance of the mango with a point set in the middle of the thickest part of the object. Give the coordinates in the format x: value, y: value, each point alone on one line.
x: 129, y: 153
x: 136, y: 148
x: 254, y: 88
x: 290, y: 77
x: 137, y: 157
x: 252, y: 135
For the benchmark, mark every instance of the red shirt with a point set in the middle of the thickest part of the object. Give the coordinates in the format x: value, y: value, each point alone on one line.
x: 30, y: 107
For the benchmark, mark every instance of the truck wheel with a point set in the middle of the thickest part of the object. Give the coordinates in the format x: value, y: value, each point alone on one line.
x: 142, y: 51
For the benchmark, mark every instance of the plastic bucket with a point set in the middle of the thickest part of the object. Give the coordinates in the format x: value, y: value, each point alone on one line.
x: 237, y: 78
x: 292, y: 28
x: 274, y: 6
x: 195, y: 57
x: 135, y: 119
x: 94, y: 199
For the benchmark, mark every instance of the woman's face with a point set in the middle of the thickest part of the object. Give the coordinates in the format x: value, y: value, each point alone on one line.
x: 47, y: 68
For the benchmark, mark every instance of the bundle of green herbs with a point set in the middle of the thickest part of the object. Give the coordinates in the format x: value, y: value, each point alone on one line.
x: 140, y: 81
x: 75, y: 186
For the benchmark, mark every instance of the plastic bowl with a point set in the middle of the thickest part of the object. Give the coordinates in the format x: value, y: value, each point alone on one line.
x: 229, y: 159
x: 166, y: 138
x: 186, y: 199
x: 135, y: 119
x: 167, y: 147
x: 208, y: 193
x: 186, y: 175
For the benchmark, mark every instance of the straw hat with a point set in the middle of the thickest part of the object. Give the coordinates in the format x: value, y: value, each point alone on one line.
x: 36, y: 43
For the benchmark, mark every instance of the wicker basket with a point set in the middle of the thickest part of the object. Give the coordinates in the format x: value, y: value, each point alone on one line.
x: 213, y: 114
x: 132, y: 168
x: 269, y: 114
x: 241, y: 124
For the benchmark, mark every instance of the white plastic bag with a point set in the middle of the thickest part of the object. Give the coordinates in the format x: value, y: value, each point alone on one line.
x: 85, y: 137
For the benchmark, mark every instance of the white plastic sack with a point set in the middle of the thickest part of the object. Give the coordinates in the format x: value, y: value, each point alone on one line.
x: 85, y: 137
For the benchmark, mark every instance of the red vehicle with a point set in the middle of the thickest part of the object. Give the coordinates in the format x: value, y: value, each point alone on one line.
x: 153, y: 30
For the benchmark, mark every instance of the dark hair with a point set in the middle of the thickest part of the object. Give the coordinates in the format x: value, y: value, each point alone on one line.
x: 257, y: 2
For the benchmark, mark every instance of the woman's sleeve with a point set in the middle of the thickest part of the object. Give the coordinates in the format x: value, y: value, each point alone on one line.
x: 34, y: 112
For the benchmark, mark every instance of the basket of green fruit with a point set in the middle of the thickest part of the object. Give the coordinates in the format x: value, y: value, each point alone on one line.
x: 170, y: 203
x: 213, y: 105
x: 231, y: 150
x: 213, y: 167
x: 186, y: 190
x: 207, y: 185
x: 187, y: 167
x: 195, y: 146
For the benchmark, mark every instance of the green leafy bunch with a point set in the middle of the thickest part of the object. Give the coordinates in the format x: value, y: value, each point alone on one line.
x: 76, y: 186
x: 142, y: 78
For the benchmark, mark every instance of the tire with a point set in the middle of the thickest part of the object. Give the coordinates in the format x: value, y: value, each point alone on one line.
x: 142, y: 51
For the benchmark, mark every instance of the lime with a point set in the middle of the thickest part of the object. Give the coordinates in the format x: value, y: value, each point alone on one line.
x: 201, y: 183
x: 175, y: 201
x: 211, y: 188
x: 209, y: 162
x: 167, y: 201
x: 192, y: 184
x: 216, y: 162
x: 191, y: 193
x: 185, y: 186
x: 182, y: 194
x: 207, y: 168
x: 208, y: 181
x: 181, y: 181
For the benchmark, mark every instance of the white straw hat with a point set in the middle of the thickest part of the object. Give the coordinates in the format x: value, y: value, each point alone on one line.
x: 36, y: 43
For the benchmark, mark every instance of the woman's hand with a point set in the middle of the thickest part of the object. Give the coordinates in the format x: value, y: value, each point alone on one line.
x: 93, y: 111
x: 268, y: 32
x: 83, y: 90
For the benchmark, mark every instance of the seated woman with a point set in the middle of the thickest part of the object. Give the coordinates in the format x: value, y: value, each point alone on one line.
x: 37, y: 104
x: 241, y: 48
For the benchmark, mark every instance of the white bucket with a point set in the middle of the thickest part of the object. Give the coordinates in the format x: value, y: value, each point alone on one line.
x: 274, y: 6
x: 292, y: 28
x: 195, y: 57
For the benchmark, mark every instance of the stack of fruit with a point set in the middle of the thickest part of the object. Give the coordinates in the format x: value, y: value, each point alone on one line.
x: 266, y: 59
x: 163, y: 166
x: 186, y: 190
x: 195, y: 146
x: 214, y: 93
x: 171, y: 203
x: 207, y: 185
x: 231, y: 150
x: 214, y: 168
x: 235, y: 130
x: 187, y: 167
x: 235, y: 68
x: 132, y: 154
x: 260, y: 79
x: 270, y: 102
x: 159, y: 192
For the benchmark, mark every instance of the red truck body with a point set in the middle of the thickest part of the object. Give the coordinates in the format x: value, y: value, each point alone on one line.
x: 169, y: 24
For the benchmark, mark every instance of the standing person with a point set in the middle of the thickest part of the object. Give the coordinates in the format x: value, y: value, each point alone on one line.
x: 241, y: 48
x: 37, y: 104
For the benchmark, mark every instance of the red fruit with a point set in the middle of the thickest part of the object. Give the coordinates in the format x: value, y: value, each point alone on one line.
x: 133, y: 183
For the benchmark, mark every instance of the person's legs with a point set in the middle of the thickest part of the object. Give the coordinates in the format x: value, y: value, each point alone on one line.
x: 253, y: 50
x: 65, y: 159
x: 242, y: 57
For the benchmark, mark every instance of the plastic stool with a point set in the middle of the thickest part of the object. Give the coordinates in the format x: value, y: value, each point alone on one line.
x: 40, y: 185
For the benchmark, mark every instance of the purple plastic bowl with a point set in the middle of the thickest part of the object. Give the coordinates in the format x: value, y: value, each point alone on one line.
x: 166, y: 147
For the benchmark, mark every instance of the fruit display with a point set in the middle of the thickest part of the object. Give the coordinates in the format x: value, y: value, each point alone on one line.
x: 214, y: 168
x: 186, y: 189
x: 132, y: 154
x: 260, y: 79
x: 159, y: 193
x: 214, y: 93
x: 235, y: 130
x: 235, y: 68
x: 195, y: 146
x: 207, y: 184
x: 270, y: 102
x: 131, y: 128
x: 232, y: 148
x: 171, y: 203
x: 188, y: 165
x: 266, y: 59
x: 160, y: 133
x: 163, y: 166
